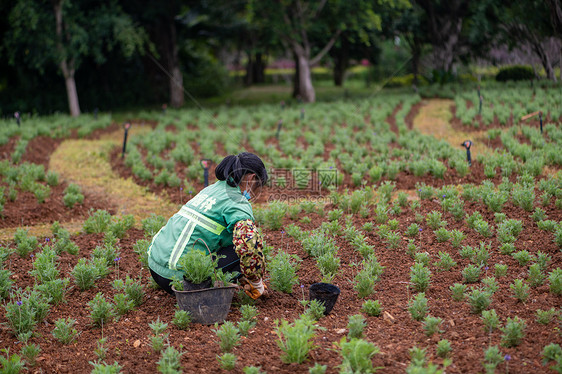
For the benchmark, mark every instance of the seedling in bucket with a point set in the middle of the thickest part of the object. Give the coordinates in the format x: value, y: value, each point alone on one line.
x: 205, y: 164
x: 126, y: 127
x: 206, y: 304
x: 467, y: 144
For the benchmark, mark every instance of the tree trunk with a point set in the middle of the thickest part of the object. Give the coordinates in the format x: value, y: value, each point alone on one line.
x: 71, y: 92
x: 67, y: 68
x: 545, y: 60
x: 306, y: 90
x: 176, y: 78
x: 341, y: 62
x: 444, y: 53
x: 296, y: 80
x: 249, y: 78
x: 259, y: 69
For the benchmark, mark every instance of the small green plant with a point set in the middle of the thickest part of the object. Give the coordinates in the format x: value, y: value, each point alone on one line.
x: 478, y: 300
x: 457, y: 237
x: 490, y: 320
x: 420, y: 277
x: 543, y: 260
x: 520, y: 290
x: 152, y: 224
x: 25, y: 244
x: 318, y: 369
x: 355, y: 325
x: 21, y: 314
x: 85, y: 274
x: 122, y: 304
x: 97, y: 222
x: 500, y: 270
x: 372, y: 308
x: 513, y: 332
x: 102, y: 311
x: 443, y: 349
x: 431, y: 325
x: 544, y: 317
x: 315, y: 309
x: 182, y: 319
x: 467, y: 251
x: 105, y: 368
x: 64, y: 330
x: 169, y: 362
x: 101, y: 349
x: 418, y: 307
x: 552, y: 352
x: 227, y: 361
x: 422, y: 258
x: 328, y: 264
x: 490, y: 285
x: 492, y: 358
x: 364, y: 283
x: 356, y: 355
x: 283, y: 272
x: 458, y: 291
x: 434, y: 221
x: 72, y: 195
x: 522, y: 257
x: 295, y: 339
x: 555, y: 279
x: 471, y: 273
x: 228, y: 334
x: 442, y: 235
x: 483, y: 228
x: 445, y: 262
x: 197, y: 266
x: 536, y: 276
x: 11, y: 363
x: 412, y: 230
x: 252, y: 370
x: 134, y: 290
x: 30, y: 353
x: 5, y: 282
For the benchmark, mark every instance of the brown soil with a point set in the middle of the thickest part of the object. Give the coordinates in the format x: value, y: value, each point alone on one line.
x: 128, y: 338
x: 391, y: 119
x: 412, y: 114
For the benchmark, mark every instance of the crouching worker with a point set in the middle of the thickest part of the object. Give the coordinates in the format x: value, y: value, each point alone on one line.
x: 221, y: 216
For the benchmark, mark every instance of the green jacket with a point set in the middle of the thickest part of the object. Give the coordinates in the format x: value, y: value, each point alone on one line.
x: 209, y: 216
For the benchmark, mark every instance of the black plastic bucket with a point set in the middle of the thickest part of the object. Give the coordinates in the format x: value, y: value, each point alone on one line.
x: 188, y: 286
x: 326, y: 293
x: 207, y: 306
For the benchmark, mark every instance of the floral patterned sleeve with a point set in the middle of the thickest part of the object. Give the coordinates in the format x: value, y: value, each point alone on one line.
x: 249, y: 247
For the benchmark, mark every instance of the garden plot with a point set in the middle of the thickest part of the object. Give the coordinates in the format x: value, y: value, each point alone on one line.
x: 421, y: 282
x: 368, y: 142
x: 464, y: 277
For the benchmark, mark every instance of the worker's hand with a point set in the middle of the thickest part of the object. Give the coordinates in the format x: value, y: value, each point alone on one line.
x: 254, y: 289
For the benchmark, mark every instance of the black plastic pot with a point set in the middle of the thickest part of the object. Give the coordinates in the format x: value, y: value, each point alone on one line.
x: 188, y: 286
x: 326, y: 293
x: 207, y: 306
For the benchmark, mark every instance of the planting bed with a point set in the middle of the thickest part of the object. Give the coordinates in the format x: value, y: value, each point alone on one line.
x: 361, y: 222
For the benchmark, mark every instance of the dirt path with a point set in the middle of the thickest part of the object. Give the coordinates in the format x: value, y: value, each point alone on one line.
x: 86, y: 163
x: 434, y: 119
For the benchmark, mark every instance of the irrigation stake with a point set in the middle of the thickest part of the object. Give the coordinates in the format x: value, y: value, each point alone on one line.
x: 279, y: 124
x: 18, y: 118
x: 205, y: 164
x: 467, y: 144
x: 540, y: 119
x: 126, y: 126
x: 95, y: 113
